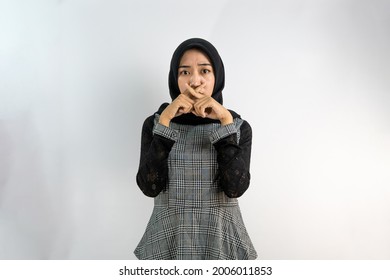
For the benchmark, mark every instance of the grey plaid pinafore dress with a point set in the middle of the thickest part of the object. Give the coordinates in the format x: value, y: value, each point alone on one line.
x: 193, y: 218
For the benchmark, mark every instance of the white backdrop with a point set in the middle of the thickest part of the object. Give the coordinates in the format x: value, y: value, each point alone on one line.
x: 78, y: 78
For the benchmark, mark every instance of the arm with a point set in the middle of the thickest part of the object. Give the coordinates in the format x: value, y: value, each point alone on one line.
x: 156, y: 143
x: 234, y: 160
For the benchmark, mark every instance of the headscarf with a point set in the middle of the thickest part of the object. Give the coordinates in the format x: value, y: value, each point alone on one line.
x: 219, y: 74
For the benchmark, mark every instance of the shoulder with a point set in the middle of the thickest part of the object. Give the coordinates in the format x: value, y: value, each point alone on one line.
x: 149, y: 120
x: 244, y: 127
x: 152, y: 119
x: 241, y: 123
x: 148, y: 123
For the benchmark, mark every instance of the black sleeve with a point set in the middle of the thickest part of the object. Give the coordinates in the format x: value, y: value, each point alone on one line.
x: 234, y: 161
x: 152, y: 173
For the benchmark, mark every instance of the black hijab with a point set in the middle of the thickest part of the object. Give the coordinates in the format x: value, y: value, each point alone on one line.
x: 219, y: 73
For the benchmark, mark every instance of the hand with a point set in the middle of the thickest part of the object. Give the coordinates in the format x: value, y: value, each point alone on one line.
x: 181, y: 105
x: 208, y: 107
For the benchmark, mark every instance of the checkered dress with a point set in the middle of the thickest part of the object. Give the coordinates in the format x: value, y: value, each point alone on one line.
x: 193, y: 218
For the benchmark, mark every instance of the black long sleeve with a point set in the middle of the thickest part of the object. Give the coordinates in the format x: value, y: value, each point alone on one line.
x: 152, y: 174
x: 234, y: 161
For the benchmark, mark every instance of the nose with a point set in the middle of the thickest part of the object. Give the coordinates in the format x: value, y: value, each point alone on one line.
x: 195, y: 80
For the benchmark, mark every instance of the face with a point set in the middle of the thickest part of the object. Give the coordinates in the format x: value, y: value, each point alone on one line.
x: 195, y: 69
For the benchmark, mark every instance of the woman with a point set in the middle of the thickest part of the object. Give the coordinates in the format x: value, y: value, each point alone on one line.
x: 195, y: 157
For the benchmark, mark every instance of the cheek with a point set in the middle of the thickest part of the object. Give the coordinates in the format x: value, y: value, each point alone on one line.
x: 210, y: 85
x: 211, y: 82
x: 181, y: 82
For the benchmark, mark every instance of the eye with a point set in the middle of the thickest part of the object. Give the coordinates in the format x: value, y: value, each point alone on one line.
x: 184, y: 72
x: 205, y: 71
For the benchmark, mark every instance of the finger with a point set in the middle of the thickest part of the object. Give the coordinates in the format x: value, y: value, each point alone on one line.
x: 188, y: 108
x: 185, y: 106
x: 187, y: 98
x: 193, y: 92
x: 200, y: 88
x: 200, y: 108
x: 183, y: 101
x: 206, y: 107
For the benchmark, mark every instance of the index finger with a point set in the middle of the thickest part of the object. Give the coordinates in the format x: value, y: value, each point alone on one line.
x: 193, y: 92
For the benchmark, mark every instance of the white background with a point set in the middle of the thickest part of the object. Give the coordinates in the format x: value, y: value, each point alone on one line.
x: 78, y: 78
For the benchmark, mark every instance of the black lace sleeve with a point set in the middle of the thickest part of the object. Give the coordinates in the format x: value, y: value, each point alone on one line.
x: 153, y: 167
x: 234, y: 161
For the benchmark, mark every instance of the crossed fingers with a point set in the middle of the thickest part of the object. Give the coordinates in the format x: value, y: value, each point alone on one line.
x: 203, y: 105
x: 194, y: 93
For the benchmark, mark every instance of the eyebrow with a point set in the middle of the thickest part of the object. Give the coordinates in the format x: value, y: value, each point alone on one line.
x: 200, y: 64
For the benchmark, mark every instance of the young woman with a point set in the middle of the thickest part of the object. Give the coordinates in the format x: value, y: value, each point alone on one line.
x: 195, y: 158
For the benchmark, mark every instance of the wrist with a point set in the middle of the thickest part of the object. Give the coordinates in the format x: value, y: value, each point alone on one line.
x: 228, y: 119
x: 164, y: 121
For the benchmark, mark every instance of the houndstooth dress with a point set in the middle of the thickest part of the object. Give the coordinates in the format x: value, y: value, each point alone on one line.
x: 193, y: 218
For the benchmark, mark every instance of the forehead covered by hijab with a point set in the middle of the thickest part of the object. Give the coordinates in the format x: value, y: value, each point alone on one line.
x: 216, y: 61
